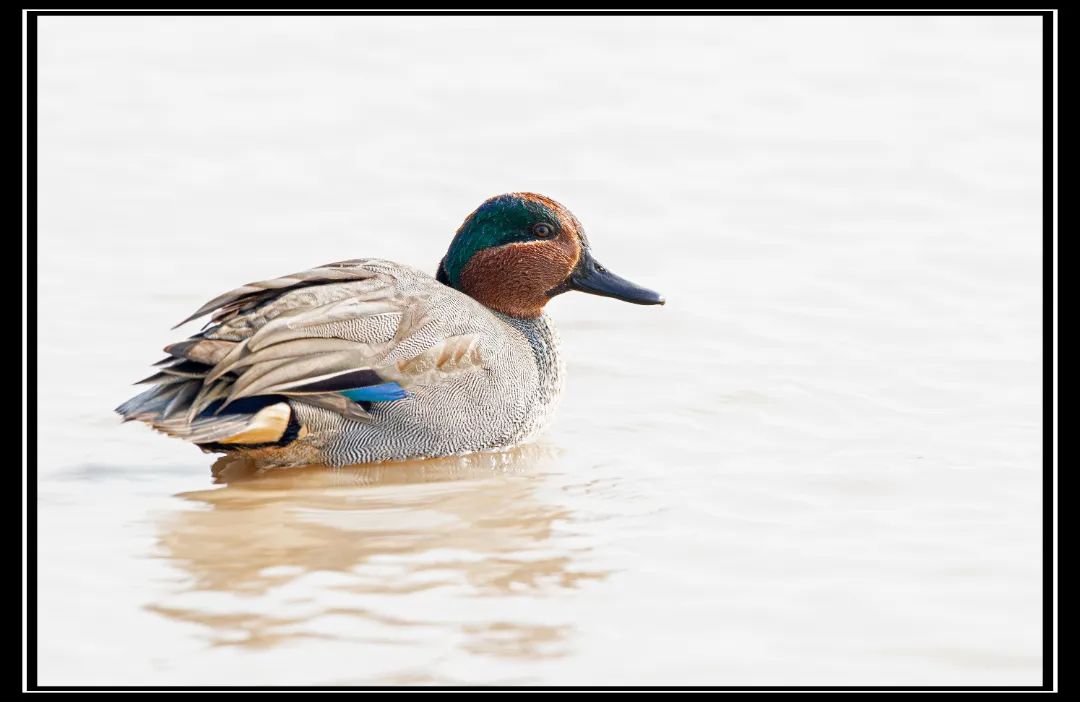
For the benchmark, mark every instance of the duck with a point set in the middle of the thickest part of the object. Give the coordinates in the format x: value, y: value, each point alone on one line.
x: 367, y: 360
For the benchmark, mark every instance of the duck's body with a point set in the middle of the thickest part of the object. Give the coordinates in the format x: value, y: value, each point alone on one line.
x: 366, y: 360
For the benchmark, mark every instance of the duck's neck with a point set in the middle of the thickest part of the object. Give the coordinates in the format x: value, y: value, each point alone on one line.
x: 542, y: 337
x: 487, y: 280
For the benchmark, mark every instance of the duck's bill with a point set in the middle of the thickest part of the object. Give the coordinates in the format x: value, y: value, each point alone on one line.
x: 589, y: 276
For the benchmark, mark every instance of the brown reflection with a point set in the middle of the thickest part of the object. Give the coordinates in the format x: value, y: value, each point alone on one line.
x: 472, y: 525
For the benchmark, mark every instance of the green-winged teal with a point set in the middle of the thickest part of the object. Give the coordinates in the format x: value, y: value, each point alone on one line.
x: 369, y: 360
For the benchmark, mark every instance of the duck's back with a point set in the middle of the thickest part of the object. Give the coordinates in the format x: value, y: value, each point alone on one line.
x: 358, y: 361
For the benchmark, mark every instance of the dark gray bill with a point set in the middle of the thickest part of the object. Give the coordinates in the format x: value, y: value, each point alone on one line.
x: 589, y: 276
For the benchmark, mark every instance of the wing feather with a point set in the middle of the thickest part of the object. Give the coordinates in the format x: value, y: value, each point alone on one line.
x: 255, y: 293
x: 278, y: 376
x: 308, y: 336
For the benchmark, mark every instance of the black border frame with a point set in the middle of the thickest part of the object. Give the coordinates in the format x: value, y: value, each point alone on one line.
x: 29, y: 660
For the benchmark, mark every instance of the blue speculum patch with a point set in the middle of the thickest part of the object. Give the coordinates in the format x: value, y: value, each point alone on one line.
x: 383, y: 392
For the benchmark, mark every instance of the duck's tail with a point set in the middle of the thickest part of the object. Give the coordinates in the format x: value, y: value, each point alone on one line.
x: 247, y: 423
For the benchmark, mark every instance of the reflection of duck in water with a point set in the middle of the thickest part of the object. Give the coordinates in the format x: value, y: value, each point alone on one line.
x: 369, y: 360
x: 434, y: 555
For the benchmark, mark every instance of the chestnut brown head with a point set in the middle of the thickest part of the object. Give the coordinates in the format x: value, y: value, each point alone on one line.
x: 517, y: 251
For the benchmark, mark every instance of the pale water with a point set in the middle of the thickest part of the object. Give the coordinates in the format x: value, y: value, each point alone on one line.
x: 819, y: 463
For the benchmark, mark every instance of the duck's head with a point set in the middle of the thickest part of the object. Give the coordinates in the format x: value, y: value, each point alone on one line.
x: 519, y: 250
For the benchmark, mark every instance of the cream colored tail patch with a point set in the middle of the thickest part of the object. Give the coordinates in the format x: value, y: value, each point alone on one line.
x: 267, y: 426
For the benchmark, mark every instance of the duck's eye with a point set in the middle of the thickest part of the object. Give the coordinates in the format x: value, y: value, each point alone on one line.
x: 543, y: 230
